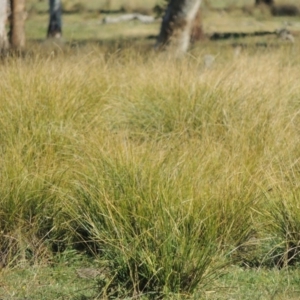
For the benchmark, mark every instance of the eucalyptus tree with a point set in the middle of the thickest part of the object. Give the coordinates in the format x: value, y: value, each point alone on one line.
x: 55, y: 23
x: 177, y: 24
x: 17, y: 24
x: 3, y: 18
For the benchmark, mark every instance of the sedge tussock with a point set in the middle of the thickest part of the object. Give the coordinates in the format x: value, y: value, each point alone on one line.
x: 162, y: 168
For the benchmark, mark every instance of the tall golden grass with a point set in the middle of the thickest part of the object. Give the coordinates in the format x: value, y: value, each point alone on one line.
x: 165, y: 170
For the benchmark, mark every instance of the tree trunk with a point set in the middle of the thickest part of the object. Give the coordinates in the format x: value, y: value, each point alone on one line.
x: 55, y: 23
x: 17, y: 24
x: 197, y: 29
x: 3, y: 18
x: 267, y: 2
x: 177, y: 24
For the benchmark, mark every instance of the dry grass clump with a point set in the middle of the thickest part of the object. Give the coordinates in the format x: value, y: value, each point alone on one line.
x: 163, y: 169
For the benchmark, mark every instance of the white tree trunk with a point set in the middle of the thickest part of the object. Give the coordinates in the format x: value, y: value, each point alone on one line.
x: 177, y: 25
x: 3, y: 18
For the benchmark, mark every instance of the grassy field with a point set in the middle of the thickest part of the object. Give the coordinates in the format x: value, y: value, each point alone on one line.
x: 126, y: 174
x: 88, y: 24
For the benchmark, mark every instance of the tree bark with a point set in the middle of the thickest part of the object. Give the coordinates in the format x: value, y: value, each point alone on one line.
x: 197, y: 29
x: 55, y: 23
x: 17, y: 24
x: 177, y: 25
x: 3, y: 19
x: 267, y: 2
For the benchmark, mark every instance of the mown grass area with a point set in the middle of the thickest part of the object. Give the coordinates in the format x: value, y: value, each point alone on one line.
x: 87, y: 25
x: 61, y: 282
x: 166, y: 179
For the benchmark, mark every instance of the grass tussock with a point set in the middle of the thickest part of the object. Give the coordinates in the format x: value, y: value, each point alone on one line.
x: 164, y: 170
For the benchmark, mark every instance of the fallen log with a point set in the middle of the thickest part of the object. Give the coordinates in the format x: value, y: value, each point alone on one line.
x: 129, y: 17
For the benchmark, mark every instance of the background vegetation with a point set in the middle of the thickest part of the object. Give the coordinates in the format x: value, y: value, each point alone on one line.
x: 126, y: 174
